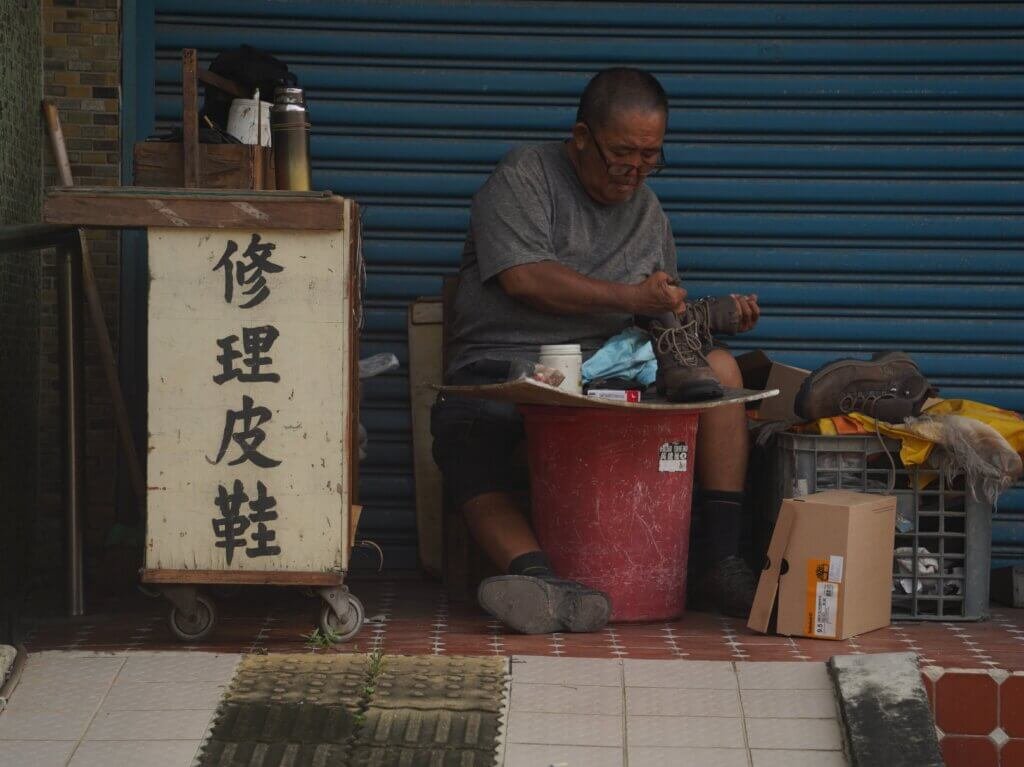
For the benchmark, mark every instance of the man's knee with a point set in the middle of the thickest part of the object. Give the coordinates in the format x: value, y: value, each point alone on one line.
x: 725, y: 368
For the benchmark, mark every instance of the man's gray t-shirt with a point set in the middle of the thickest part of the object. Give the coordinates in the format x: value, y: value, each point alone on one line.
x: 533, y: 208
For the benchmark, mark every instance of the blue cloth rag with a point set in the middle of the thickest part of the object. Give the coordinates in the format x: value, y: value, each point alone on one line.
x: 627, y: 355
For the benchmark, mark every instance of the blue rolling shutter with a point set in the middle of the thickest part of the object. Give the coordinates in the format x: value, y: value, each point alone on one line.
x: 858, y: 166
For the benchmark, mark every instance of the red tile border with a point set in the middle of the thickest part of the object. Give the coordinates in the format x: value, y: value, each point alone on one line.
x: 1011, y: 706
x: 969, y: 752
x: 966, y: 703
x: 1012, y: 753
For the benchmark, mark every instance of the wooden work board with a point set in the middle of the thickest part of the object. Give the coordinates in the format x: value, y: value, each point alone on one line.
x: 127, y: 207
x: 526, y: 391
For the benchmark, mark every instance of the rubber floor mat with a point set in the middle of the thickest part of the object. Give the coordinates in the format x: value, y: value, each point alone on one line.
x: 360, y: 711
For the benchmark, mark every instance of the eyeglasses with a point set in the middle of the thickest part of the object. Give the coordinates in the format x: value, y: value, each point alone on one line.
x: 620, y: 170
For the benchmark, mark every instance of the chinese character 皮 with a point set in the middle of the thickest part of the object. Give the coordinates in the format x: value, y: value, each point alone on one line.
x: 249, y: 437
x: 248, y: 270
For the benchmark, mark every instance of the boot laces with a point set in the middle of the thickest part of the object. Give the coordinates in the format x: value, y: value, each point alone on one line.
x: 684, y: 343
x: 700, y: 313
x: 863, y: 401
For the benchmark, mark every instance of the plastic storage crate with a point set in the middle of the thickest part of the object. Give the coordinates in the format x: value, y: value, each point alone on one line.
x: 945, y: 534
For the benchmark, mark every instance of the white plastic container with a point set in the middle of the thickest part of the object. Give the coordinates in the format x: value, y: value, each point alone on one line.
x: 242, y: 121
x: 567, y: 358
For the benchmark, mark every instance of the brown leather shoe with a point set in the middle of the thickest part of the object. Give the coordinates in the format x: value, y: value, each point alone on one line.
x: 889, y: 387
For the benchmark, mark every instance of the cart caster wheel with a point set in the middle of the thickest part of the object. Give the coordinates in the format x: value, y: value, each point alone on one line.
x: 342, y: 629
x: 199, y: 626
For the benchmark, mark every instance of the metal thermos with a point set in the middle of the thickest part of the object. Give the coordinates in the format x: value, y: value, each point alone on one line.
x: 289, y: 126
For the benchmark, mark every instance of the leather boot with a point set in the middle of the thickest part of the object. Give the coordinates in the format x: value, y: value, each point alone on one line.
x: 716, y: 315
x: 681, y: 345
x: 889, y: 387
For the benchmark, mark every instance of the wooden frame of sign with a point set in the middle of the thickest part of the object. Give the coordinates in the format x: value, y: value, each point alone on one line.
x: 253, y: 398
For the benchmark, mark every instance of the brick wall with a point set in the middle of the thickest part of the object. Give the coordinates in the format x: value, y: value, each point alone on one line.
x: 82, y: 75
x: 20, y: 158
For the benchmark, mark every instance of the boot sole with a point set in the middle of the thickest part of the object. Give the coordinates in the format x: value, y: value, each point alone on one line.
x: 879, y: 358
x: 696, y: 393
x: 534, y: 606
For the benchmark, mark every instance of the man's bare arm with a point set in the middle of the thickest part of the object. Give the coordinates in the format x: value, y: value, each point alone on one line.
x: 551, y: 287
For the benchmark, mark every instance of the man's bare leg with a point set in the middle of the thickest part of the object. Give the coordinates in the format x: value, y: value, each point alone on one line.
x: 499, y: 525
x: 722, y: 439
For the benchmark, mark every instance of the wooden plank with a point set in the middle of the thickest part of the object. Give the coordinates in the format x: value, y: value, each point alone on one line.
x: 249, y: 195
x: 221, y: 166
x: 243, y: 577
x: 529, y: 392
x: 190, y: 117
x: 179, y: 208
x: 426, y: 374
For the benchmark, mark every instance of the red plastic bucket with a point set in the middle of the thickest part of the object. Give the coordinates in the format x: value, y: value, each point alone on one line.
x: 611, y: 494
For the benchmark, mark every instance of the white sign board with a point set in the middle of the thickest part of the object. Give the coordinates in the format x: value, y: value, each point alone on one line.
x: 249, y: 402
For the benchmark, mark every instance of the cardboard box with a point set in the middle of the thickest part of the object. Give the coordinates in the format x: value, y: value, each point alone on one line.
x: 828, y: 573
x: 761, y: 373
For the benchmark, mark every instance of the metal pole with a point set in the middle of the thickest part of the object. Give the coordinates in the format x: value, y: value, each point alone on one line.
x: 70, y: 268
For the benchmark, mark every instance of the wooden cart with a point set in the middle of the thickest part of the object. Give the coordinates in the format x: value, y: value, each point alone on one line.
x: 254, y: 317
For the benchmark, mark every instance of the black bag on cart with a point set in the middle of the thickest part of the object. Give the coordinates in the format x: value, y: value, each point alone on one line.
x: 249, y: 67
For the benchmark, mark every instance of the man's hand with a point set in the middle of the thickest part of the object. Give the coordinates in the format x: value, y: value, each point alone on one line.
x: 749, y: 311
x: 658, y: 294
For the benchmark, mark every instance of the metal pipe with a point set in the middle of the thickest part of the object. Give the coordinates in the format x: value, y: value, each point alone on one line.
x: 69, y: 305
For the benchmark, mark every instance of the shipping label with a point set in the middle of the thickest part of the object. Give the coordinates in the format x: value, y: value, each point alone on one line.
x: 823, y: 578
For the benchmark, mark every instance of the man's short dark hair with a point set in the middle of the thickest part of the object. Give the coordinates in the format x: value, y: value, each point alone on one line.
x: 620, y: 89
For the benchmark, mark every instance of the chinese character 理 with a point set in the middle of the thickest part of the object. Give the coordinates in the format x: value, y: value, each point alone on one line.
x: 255, y: 341
x: 248, y: 270
x: 249, y: 437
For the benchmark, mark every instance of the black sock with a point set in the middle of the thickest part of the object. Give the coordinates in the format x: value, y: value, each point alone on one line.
x: 534, y: 563
x: 723, y: 515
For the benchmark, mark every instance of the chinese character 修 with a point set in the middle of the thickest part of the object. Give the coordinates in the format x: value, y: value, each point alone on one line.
x: 248, y: 270
x: 255, y: 342
x: 249, y: 436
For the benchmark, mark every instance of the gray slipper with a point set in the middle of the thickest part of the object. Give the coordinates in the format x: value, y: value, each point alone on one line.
x: 532, y: 605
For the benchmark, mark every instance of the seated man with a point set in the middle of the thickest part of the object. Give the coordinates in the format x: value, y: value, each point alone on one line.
x: 567, y: 245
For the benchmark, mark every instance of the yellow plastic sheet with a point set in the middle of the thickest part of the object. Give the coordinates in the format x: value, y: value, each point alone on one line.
x: 914, y: 449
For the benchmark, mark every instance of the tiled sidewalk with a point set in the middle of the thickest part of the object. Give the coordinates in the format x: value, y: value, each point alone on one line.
x: 84, y: 709
x: 596, y: 712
